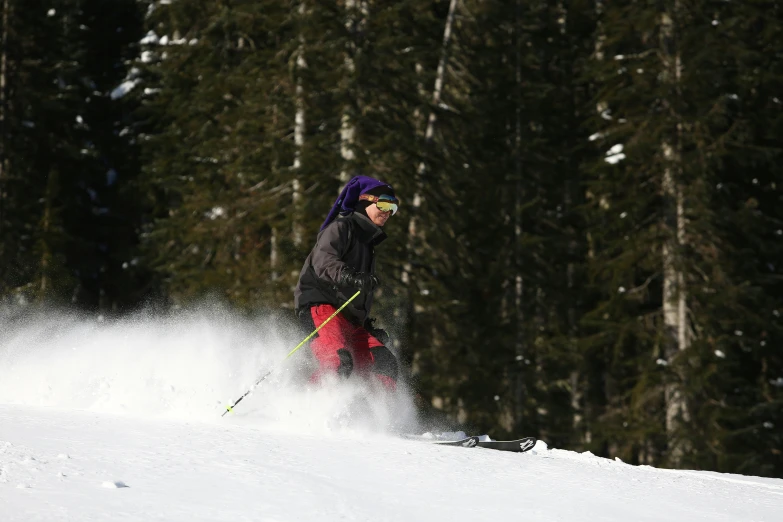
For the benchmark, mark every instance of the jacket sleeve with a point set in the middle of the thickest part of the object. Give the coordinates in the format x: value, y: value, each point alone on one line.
x: 331, y: 247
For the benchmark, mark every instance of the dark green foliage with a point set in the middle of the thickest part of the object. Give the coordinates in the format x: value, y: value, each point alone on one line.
x: 216, y: 147
x: 711, y: 115
x: 65, y: 231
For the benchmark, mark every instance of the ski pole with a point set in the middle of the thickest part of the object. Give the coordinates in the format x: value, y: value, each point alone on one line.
x: 248, y: 392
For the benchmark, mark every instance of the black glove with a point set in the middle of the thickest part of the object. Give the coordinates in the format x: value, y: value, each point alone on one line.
x: 361, y: 280
x: 378, y: 333
x: 381, y: 335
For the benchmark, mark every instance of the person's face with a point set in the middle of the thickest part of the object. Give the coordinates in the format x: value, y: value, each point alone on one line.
x: 376, y: 216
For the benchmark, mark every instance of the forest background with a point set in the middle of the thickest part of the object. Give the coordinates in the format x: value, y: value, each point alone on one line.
x: 590, y: 242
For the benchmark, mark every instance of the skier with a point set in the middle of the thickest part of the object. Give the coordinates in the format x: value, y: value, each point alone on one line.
x: 342, y: 262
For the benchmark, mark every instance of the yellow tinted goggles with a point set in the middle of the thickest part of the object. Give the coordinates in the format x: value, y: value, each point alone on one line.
x: 385, y: 203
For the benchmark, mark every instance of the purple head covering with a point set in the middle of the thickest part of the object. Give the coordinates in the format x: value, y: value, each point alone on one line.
x: 348, y: 198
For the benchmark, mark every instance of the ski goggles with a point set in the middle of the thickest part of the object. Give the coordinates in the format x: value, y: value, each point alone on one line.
x: 385, y: 203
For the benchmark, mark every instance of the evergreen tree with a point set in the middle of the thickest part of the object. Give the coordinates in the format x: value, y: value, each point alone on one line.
x: 107, y: 218
x: 736, y: 406
x: 508, y: 278
x: 673, y: 294
x: 49, y: 188
x: 217, y: 147
x: 35, y: 98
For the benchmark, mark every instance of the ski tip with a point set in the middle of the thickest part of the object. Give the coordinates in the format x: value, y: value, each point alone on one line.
x: 468, y: 442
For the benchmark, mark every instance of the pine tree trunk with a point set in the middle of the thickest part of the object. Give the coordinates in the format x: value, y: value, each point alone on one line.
x: 273, y: 233
x: 519, y: 282
x: 592, y: 409
x: 347, y: 125
x: 676, y: 336
x: 413, y: 232
x: 3, y: 109
x: 47, y: 251
x: 273, y: 255
x: 299, y: 133
x: 570, y: 198
x: 433, y: 117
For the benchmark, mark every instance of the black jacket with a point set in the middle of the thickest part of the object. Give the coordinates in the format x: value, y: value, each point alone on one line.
x: 347, y: 241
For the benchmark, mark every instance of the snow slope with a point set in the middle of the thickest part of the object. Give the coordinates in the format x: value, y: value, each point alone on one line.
x: 104, y: 422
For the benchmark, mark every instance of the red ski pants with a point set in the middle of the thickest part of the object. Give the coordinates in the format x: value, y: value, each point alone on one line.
x: 343, y: 348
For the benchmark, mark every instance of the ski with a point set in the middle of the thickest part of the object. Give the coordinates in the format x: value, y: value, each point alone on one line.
x: 469, y: 442
x: 517, y: 446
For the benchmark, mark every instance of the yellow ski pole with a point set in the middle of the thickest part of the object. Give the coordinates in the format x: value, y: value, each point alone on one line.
x: 248, y: 392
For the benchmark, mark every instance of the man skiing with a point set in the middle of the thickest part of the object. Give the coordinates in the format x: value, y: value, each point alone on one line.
x: 342, y: 262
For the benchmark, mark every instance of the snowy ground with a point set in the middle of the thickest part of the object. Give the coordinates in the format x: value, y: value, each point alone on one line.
x: 121, y: 422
